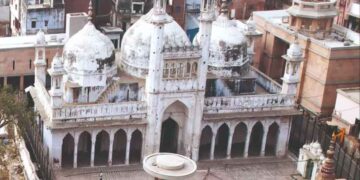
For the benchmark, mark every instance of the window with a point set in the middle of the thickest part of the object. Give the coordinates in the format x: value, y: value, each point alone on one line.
x: 33, y: 23
x: 46, y: 23
x: 13, y: 65
x: 137, y: 8
x: 47, y: 63
x: 30, y: 63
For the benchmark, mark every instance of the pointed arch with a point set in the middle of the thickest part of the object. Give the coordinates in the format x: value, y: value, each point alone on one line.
x: 84, y: 149
x: 239, y: 140
x: 119, y: 147
x: 135, y: 147
x: 102, y: 148
x: 256, y: 137
x: 221, y: 141
x: 169, y: 136
x: 205, y: 143
x: 67, y: 151
x: 272, y: 139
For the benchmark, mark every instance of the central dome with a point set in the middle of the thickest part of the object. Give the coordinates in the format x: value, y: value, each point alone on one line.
x: 89, y: 57
x: 135, y: 48
x: 87, y: 51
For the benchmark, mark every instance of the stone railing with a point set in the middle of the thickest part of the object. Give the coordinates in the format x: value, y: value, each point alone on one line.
x: 44, y: 98
x: 99, y: 111
x: 249, y: 103
x: 266, y: 82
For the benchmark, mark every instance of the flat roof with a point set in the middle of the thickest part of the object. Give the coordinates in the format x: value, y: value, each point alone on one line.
x: 276, y: 17
x: 29, y: 40
x: 351, y: 93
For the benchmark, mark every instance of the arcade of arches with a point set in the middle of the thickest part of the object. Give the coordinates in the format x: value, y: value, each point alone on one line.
x: 218, y: 140
x: 101, y: 148
x: 243, y: 139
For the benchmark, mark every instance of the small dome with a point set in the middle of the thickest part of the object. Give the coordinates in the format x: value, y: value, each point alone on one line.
x: 56, y: 62
x: 135, y: 49
x: 295, y: 50
x: 40, y: 38
x: 87, y: 51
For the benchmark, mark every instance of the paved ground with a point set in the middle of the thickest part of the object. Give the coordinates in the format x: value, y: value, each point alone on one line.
x: 247, y: 169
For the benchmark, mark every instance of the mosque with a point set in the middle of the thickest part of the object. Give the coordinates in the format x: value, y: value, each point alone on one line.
x: 162, y: 93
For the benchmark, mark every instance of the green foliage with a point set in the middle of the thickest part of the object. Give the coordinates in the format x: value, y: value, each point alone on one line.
x: 13, y: 108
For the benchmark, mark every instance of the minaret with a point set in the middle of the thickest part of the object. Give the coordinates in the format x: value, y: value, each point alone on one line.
x: 293, y: 57
x: 40, y: 63
x: 207, y: 16
x: 158, y: 19
x: 56, y: 72
x: 327, y: 171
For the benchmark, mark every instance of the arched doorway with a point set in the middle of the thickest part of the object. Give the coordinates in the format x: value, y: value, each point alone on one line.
x: 172, y: 138
x: 102, y: 148
x: 135, y: 147
x: 169, y: 136
x: 221, y: 141
x: 205, y: 143
x: 67, y: 152
x: 256, y: 139
x: 239, y: 139
x: 84, y: 149
x: 271, y: 140
x: 119, y: 147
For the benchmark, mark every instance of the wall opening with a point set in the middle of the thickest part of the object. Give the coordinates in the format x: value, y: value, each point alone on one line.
x: 205, y: 143
x: 239, y: 139
x: 221, y: 141
x: 119, y: 147
x: 84, y: 150
x: 67, y: 152
x: 169, y: 136
x: 256, y: 139
x: 102, y: 148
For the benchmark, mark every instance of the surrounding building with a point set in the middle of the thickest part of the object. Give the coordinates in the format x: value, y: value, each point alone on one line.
x: 29, y: 16
x: 346, y: 112
x: 242, y: 9
x: 349, y: 14
x: 161, y: 92
x: 4, y: 18
x: 331, y: 52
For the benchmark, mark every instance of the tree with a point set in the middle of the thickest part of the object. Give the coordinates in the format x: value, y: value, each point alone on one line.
x: 13, y: 108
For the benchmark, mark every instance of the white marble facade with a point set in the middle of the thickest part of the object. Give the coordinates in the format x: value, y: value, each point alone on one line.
x: 160, y: 92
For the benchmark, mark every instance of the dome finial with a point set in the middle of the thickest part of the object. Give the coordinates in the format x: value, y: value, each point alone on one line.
x: 224, y: 8
x: 90, y: 12
x: 296, y: 38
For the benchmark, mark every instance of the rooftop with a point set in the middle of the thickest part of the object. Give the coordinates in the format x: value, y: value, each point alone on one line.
x: 29, y: 40
x: 351, y: 93
x: 340, y: 37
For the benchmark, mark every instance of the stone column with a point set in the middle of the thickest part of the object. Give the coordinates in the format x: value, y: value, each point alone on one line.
x: 228, y: 150
x: 247, y: 142
x: 263, y: 144
x: 5, y: 81
x: 93, y: 141
x: 212, y: 146
x: 111, y: 149
x: 76, y: 150
x: 21, y: 85
x: 128, y: 140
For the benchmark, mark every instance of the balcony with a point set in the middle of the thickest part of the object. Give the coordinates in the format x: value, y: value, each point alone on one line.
x: 249, y: 103
x: 96, y: 112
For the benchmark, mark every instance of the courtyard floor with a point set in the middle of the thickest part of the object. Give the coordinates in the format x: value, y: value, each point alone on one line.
x: 247, y: 169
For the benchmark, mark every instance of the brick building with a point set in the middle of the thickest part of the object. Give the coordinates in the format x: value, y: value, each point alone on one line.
x: 349, y: 14
x: 242, y: 9
x: 331, y: 51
